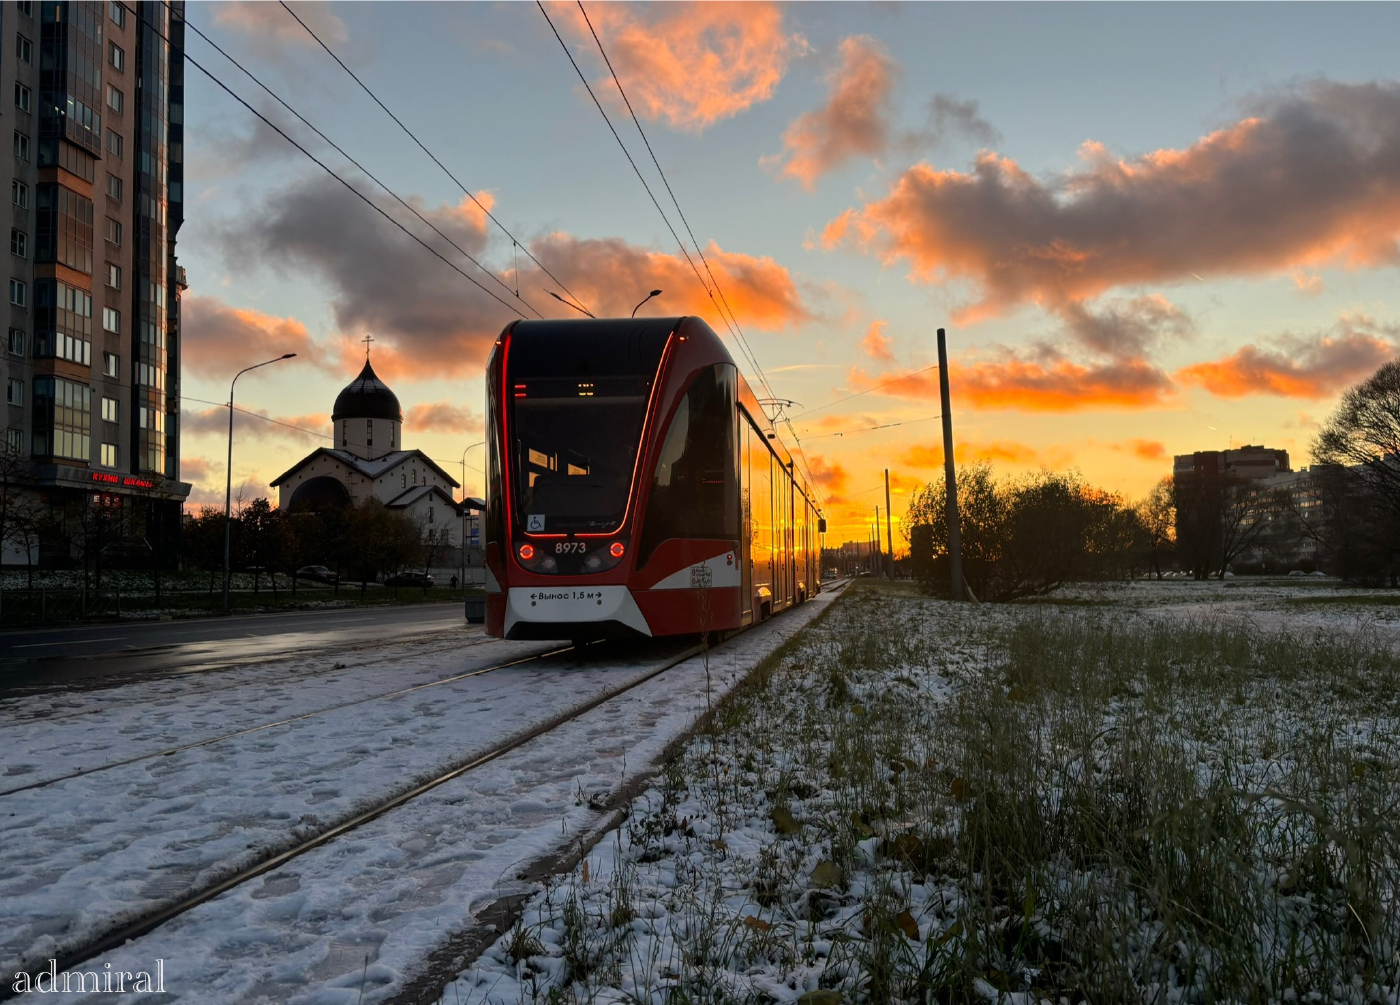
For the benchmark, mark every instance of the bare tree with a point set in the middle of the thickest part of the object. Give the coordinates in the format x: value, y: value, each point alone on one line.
x: 1158, y: 515
x: 1358, y: 450
x: 1248, y: 512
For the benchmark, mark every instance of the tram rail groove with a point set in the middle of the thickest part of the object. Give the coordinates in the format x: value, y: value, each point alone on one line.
x: 167, y: 752
x: 153, y: 920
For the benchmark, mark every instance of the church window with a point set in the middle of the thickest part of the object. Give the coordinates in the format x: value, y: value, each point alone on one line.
x: 344, y: 433
x: 405, y: 480
x: 369, y: 432
x: 430, y: 514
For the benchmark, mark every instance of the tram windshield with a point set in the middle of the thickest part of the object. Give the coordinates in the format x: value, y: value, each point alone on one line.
x: 577, y: 410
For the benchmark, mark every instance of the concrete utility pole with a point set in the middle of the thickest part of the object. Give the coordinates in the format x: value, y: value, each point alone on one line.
x: 950, y: 474
x: 889, y: 522
x: 879, y: 569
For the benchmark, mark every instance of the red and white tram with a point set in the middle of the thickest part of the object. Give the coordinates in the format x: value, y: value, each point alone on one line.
x: 634, y: 487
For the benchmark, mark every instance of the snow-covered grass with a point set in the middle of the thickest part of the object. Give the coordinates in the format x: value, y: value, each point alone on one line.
x: 920, y: 801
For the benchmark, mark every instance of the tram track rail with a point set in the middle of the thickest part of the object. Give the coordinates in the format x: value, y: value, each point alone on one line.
x: 275, y: 858
x: 170, y: 751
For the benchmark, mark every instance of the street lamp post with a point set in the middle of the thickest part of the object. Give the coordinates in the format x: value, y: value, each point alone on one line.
x: 228, y: 480
x: 463, y: 560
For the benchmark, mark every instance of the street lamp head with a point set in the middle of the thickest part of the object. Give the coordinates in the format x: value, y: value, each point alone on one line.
x: 288, y: 355
x: 653, y: 293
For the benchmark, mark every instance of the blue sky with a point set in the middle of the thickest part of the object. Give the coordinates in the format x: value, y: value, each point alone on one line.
x: 1124, y: 349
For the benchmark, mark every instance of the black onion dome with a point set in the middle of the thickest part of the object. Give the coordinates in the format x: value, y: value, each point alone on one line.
x: 367, y: 397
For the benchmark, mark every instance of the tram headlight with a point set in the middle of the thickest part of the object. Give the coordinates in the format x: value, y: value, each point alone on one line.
x: 527, y: 553
x: 548, y: 564
x: 593, y: 562
x: 618, y: 549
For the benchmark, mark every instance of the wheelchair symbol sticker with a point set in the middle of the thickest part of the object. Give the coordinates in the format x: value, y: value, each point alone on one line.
x: 534, y: 523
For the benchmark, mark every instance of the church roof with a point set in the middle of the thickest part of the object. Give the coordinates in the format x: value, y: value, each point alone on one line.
x: 369, y: 468
x: 367, y: 397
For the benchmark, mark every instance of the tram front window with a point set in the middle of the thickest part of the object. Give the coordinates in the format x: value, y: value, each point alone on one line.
x: 575, y: 447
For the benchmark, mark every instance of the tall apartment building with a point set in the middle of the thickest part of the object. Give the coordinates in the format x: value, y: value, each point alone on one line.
x: 94, y: 93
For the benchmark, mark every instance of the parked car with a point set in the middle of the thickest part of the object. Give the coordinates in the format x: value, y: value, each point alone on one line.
x: 418, y: 579
x: 319, y: 574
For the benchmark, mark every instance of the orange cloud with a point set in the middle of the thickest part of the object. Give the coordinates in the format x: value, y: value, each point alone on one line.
x: 690, y: 64
x: 1309, y: 179
x: 193, y: 469
x: 219, y: 340
x: 853, y: 122
x: 1058, y: 385
x: 431, y: 323
x: 443, y: 416
x: 1296, y: 369
x: 876, y: 343
x: 610, y: 276
x: 303, y: 429
x: 1147, y: 450
x: 831, y: 478
x: 1006, y: 451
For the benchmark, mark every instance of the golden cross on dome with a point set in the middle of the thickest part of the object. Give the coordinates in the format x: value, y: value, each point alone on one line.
x: 367, y: 340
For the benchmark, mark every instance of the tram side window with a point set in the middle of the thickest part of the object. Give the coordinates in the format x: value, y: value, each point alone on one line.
x: 760, y: 508
x: 693, y: 489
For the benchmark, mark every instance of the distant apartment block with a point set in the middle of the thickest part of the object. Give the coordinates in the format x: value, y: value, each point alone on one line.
x: 1287, y: 543
x: 91, y: 355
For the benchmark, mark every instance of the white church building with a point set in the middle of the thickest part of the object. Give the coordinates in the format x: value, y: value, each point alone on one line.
x: 369, y: 461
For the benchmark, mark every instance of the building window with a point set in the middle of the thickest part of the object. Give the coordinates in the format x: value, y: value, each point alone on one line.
x: 19, y: 242
x: 62, y: 321
x: 19, y: 293
x: 62, y: 419
x: 369, y: 432
x: 114, y: 231
x: 24, y: 49
x: 344, y: 433
x: 14, y: 441
x: 112, y: 320
x: 14, y: 392
x: 109, y: 410
x: 114, y: 276
x: 63, y: 228
x: 21, y: 146
x: 111, y: 364
x: 115, y: 99
x: 19, y: 192
x: 26, y: 7
x: 21, y: 97
x: 109, y: 455
x: 117, y: 13
x: 114, y: 186
x: 117, y: 55
x: 430, y: 514
x: 114, y: 143
x: 16, y: 341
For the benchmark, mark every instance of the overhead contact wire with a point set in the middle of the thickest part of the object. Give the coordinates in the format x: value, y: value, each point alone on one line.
x: 763, y: 378
x: 367, y: 173
x: 431, y: 156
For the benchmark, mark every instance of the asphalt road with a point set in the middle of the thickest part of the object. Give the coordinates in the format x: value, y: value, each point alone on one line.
x: 102, y: 655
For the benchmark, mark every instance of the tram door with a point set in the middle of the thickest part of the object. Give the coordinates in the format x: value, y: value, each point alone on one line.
x: 745, y: 445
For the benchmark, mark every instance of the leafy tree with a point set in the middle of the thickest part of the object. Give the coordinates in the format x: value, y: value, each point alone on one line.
x: 1023, y: 537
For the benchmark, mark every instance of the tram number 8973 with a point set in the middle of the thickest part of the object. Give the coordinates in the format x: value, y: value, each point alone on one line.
x: 569, y: 547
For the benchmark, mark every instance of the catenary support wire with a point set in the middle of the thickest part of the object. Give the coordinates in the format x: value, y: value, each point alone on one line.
x: 431, y: 156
